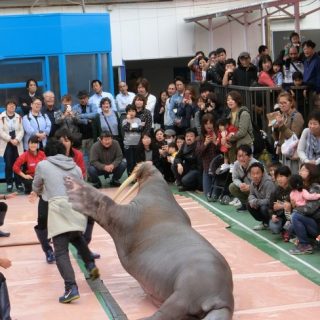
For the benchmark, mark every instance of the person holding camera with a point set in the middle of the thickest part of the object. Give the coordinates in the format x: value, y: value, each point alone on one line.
x: 185, y: 111
x: 198, y: 65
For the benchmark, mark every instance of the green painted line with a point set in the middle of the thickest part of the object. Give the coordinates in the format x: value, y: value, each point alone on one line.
x: 307, y: 265
x: 103, y: 295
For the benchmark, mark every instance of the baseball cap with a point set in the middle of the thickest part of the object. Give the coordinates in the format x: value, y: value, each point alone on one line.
x: 170, y: 132
x: 244, y: 54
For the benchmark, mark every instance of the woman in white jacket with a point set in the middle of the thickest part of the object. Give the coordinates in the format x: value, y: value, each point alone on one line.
x: 11, y: 146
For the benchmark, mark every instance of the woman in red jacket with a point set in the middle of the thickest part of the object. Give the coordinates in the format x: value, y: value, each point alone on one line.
x: 25, y: 164
x: 266, y: 72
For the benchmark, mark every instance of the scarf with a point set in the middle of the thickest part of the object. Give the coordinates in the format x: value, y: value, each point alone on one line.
x: 312, y: 151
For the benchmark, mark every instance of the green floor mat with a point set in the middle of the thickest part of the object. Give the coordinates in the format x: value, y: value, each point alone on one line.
x: 241, y: 224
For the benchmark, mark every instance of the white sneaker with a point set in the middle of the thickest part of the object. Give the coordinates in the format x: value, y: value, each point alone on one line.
x: 235, y: 202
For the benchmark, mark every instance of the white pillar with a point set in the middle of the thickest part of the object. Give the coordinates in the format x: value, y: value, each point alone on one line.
x: 245, y: 32
x: 297, y: 17
x: 210, y: 34
x: 263, y: 28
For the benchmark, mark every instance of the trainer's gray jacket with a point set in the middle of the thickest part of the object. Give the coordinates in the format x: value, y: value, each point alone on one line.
x: 49, y: 181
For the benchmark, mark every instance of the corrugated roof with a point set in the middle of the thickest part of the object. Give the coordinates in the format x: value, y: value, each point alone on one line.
x: 257, y: 5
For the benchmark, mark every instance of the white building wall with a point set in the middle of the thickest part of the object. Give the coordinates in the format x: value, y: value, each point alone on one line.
x: 158, y: 30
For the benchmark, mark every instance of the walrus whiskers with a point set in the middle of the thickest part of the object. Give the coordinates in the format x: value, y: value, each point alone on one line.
x: 125, y: 183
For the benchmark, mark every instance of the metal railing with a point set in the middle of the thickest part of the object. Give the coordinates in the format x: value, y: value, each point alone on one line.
x: 259, y: 100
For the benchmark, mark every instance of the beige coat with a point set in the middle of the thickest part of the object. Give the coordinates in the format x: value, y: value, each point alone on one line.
x: 4, y: 132
x: 62, y: 218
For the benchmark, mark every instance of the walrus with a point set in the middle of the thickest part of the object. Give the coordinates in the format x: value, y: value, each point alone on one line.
x: 178, y: 269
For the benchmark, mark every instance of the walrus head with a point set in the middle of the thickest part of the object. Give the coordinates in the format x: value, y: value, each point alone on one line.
x: 144, y: 170
x: 140, y: 174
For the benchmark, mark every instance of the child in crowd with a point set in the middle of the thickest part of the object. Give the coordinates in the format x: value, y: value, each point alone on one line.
x: 180, y: 141
x: 299, y: 92
x: 277, y: 73
x: 132, y: 128
x: 279, y: 203
x: 299, y: 196
x: 26, y: 163
x: 226, y: 130
x: 172, y: 151
x: 271, y: 168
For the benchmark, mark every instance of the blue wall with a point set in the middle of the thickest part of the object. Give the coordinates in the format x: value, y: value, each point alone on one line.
x: 43, y: 36
x: 51, y: 34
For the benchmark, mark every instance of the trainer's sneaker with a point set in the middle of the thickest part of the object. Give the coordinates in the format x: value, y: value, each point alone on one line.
x: 70, y: 294
x: 302, y: 249
x: 9, y: 188
x: 93, y: 271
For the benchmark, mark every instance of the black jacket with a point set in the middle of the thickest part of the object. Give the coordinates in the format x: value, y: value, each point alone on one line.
x: 216, y: 73
x: 188, y: 157
x: 245, y: 76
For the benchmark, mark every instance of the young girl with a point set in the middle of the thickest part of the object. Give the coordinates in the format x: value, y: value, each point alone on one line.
x: 226, y: 130
x: 277, y: 73
x: 172, y: 152
x: 132, y: 128
x: 299, y: 196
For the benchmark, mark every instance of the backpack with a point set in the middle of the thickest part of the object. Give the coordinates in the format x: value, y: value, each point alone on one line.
x: 258, y: 138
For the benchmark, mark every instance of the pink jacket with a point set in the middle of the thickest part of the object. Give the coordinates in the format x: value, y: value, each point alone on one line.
x: 300, y: 197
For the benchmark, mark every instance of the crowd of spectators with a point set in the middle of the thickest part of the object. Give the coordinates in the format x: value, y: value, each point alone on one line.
x: 184, y: 132
x: 197, y: 139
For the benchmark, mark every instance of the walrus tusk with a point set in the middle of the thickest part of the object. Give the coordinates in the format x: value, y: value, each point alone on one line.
x: 125, y: 183
x: 130, y: 191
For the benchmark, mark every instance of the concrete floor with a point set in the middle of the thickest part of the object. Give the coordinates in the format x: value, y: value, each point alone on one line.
x: 264, y: 288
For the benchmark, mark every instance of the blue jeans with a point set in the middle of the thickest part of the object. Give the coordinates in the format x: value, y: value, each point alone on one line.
x: 191, y: 179
x: 9, y: 157
x: 206, y: 183
x: 276, y: 227
x: 304, y: 227
x: 117, y: 172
